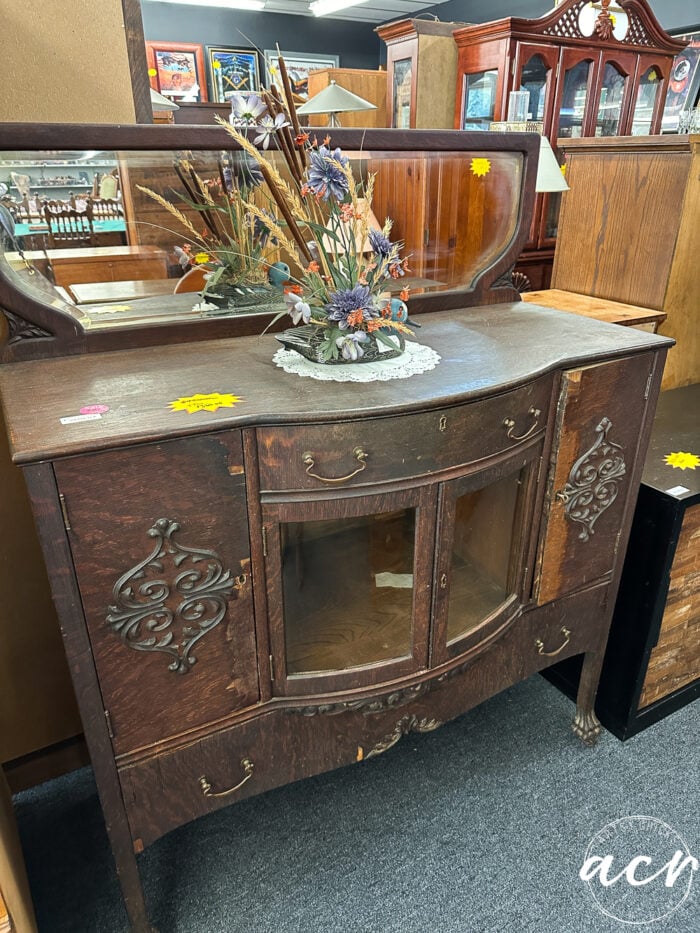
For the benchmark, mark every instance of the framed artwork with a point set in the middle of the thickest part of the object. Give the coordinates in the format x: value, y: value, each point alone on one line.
x: 232, y: 71
x: 684, y: 81
x: 176, y: 70
x: 299, y: 64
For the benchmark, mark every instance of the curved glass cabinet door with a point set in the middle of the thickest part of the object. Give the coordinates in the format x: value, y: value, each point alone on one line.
x: 480, y: 572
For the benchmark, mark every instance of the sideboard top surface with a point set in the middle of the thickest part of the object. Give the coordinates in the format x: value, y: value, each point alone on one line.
x: 484, y: 351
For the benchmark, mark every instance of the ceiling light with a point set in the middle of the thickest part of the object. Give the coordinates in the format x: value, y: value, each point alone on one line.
x: 228, y: 4
x: 321, y: 7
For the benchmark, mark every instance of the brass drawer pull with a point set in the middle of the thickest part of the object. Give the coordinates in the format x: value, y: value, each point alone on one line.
x: 510, y: 424
x: 358, y: 453
x: 550, y: 654
x: 205, y: 784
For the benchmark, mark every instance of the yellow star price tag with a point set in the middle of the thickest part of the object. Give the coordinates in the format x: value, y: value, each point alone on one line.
x: 682, y: 460
x: 211, y: 402
x: 480, y: 167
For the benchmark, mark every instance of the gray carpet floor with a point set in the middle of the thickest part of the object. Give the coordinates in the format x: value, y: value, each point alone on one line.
x: 479, y: 827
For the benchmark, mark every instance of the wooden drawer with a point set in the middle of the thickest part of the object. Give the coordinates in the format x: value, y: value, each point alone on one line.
x: 377, y: 450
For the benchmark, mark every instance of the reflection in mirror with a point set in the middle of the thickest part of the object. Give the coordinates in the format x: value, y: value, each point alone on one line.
x: 166, y: 235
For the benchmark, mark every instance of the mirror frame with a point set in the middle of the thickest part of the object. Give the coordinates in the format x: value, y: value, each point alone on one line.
x: 33, y: 329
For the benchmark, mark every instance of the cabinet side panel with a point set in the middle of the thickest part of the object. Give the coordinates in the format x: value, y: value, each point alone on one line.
x: 159, y: 536
x: 675, y: 661
x: 619, y: 223
x: 599, y: 423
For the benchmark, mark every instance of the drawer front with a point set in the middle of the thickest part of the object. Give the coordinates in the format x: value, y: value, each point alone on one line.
x: 378, y: 450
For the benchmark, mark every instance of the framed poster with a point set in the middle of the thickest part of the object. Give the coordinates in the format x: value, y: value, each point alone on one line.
x: 232, y: 71
x: 176, y: 70
x: 299, y: 64
x: 684, y: 81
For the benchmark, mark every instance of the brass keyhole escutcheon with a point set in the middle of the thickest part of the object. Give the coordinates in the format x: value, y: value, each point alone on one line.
x: 443, y: 422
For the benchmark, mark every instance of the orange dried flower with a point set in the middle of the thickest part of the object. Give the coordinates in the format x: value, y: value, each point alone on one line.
x: 355, y: 318
x: 403, y: 294
x: 301, y: 139
x: 374, y: 325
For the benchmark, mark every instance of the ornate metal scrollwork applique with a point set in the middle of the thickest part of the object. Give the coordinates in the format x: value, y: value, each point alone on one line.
x: 593, y: 481
x: 175, y: 586
x: 403, y: 727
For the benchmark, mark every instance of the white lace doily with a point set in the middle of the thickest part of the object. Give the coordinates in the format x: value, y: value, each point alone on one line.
x: 415, y: 359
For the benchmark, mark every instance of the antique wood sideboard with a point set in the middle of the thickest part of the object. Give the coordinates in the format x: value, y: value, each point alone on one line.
x: 262, y: 592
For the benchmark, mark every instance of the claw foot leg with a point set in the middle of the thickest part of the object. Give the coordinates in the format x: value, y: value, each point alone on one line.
x: 586, y: 726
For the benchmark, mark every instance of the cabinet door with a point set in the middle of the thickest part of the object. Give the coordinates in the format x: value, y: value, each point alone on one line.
x: 612, y: 95
x: 159, y: 536
x: 535, y: 72
x: 599, y: 419
x: 481, y: 571
x: 577, y: 74
x: 402, y: 61
x: 348, y: 582
x: 648, y: 96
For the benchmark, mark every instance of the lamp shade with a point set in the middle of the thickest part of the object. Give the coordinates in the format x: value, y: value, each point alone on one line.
x: 549, y: 176
x: 158, y: 102
x: 335, y: 99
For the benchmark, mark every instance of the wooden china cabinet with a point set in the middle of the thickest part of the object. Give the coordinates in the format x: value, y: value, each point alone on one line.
x: 261, y: 592
x: 592, y: 69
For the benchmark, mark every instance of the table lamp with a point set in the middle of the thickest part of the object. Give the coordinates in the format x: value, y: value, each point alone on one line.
x: 549, y: 175
x: 158, y: 102
x: 333, y: 100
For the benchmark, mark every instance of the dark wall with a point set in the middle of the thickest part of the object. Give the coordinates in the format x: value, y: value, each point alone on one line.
x: 672, y: 14
x: 355, y: 43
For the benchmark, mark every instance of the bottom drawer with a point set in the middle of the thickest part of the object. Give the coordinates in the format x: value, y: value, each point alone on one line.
x: 282, y: 745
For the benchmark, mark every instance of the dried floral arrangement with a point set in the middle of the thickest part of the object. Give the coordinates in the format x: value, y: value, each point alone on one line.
x: 310, y: 207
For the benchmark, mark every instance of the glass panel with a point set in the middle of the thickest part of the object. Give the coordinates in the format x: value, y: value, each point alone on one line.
x: 551, y: 223
x: 533, y: 78
x: 646, y: 100
x: 348, y: 591
x: 480, y: 575
x: 168, y: 269
x: 573, y: 102
x: 610, y: 103
x: 479, y: 100
x: 403, y: 78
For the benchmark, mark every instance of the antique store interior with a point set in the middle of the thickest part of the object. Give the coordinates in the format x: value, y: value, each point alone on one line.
x: 350, y: 566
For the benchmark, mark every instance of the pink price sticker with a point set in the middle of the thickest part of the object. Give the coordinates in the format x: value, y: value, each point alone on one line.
x: 94, y: 409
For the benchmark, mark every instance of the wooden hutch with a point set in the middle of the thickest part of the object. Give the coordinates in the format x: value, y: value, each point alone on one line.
x: 591, y: 69
x: 256, y: 593
x: 421, y: 64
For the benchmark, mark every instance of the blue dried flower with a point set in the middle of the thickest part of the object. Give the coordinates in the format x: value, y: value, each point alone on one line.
x: 324, y: 178
x: 351, y: 307
x: 380, y: 244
